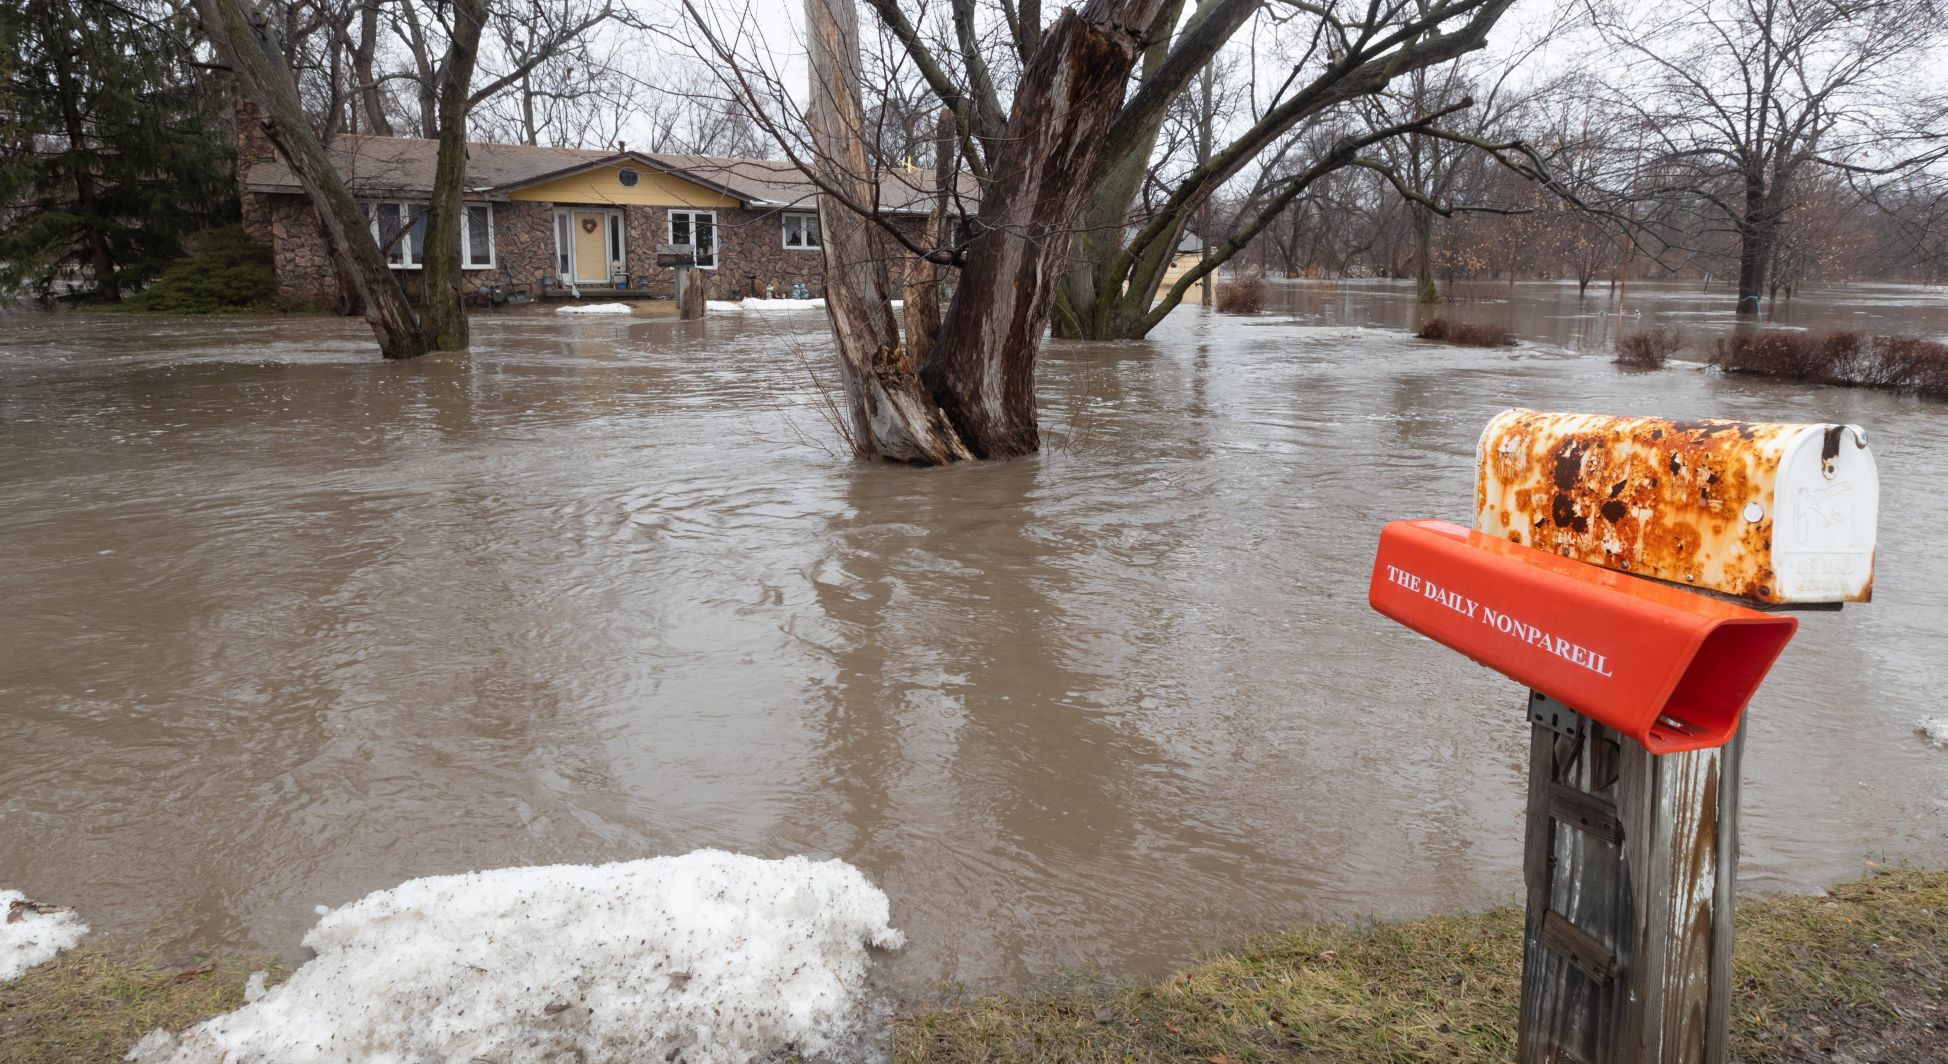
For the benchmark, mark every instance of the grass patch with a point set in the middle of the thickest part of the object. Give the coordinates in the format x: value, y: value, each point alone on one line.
x: 1466, y: 333
x: 225, y: 272
x: 1860, y: 967
x: 1904, y: 363
x: 90, y: 1005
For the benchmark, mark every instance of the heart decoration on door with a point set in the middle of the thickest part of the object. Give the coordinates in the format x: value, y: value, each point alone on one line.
x: 588, y: 225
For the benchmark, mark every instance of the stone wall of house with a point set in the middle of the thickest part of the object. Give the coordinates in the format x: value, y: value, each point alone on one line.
x: 524, y: 248
x: 305, y: 269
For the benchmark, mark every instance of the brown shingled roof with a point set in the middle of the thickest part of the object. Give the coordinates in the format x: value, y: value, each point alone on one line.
x: 405, y: 166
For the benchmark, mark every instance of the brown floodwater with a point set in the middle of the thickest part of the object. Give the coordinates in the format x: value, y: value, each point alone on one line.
x: 281, y: 624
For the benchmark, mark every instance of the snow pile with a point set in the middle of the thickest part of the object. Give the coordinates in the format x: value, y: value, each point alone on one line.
x: 1936, y: 730
x: 32, y: 933
x: 710, y: 956
x: 771, y: 304
x: 593, y: 308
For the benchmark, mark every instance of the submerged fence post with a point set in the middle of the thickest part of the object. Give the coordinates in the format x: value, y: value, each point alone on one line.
x: 1637, y: 686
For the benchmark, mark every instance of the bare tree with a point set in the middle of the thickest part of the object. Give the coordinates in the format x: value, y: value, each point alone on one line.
x: 582, y: 92
x: 443, y: 319
x: 1328, y: 56
x: 1740, y: 98
x: 974, y: 394
x: 245, y: 39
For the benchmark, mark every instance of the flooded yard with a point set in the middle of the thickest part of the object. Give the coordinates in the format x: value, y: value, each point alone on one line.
x: 282, y: 624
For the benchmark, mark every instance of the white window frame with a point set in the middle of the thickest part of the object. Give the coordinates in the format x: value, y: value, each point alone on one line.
x: 466, y: 243
x: 406, y: 209
x: 407, y: 260
x: 615, y: 231
x: 716, y: 243
x: 801, y: 217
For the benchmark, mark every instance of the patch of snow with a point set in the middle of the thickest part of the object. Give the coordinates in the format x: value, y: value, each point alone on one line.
x: 1936, y: 730
x: 593, y: 308
x: 32, y: 934
x: 711, y: 956
x: 254, y: 986
x: 783, y: 304
x: 720, y: 306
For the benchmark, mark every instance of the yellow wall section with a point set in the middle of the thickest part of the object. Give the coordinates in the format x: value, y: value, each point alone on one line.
x: 600, y: 186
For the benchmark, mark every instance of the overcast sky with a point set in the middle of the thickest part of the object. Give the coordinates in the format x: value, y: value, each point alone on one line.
x: 772, y: 34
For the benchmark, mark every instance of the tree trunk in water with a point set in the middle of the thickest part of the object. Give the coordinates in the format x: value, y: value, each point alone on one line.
x: 443, y: 318
x: 246, y: 41
x: 1755, y: 235
x: 974, y: 397
x: 983, y: 370
x: 1424, y: 254
x: 888, y: 411
x: 1094, y: 289
x: 1204, y: 138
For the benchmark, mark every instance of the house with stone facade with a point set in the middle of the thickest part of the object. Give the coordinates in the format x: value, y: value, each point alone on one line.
x: 556, y: 220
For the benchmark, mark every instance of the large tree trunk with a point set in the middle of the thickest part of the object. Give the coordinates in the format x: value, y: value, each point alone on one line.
x: 246, y: 41
x: 888, y: 411
x: 983, y: 370
x: 1755, y: 236
x: 443, y: 318
x: 974, y: 396
x: 1093, y: 288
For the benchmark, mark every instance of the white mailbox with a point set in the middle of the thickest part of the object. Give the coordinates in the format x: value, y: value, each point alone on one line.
x: 1773, y: 512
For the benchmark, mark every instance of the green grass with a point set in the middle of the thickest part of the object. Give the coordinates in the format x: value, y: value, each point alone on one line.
x: 1862, y: 970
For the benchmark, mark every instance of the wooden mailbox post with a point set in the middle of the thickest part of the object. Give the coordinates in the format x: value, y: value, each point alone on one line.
x: 689, y: 290
x: 1634, y: 761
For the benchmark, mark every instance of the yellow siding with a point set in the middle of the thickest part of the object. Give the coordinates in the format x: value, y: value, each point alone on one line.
x: 600, y: 186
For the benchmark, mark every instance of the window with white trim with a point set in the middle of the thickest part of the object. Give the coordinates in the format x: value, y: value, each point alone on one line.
x: 477, y: 236
x: 801, y: 231
x: 698, y: 229
x: 400, y: 229
x: 399, y: 226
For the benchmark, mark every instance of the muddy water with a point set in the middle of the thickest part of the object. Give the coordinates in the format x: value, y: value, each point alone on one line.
x: 281, y: 624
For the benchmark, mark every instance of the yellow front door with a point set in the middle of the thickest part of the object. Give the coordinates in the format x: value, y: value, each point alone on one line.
x: 590, y: 230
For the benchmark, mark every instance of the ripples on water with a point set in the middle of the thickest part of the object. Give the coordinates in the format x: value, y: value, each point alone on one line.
x: 285, y: 624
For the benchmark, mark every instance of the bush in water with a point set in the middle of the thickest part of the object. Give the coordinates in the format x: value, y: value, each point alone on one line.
x: 1648, y: 348
x: 1243, y: 294
x: 1472, y: 334
x: 1905, y: 363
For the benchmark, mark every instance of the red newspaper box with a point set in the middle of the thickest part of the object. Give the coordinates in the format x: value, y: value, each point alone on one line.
x: 1668, y: 667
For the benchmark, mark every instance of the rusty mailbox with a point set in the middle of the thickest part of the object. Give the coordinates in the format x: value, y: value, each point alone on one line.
x: 1572, y: 508
x: 1769, y: 512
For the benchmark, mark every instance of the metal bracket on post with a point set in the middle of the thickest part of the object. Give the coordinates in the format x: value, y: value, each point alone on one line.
x: 1546, y: 712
